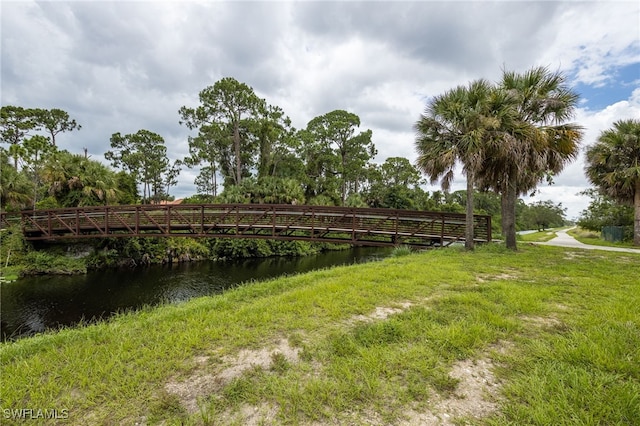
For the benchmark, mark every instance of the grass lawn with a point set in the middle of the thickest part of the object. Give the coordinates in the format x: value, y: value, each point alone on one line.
x: 539, y: 237
x: 541, y: 336
x: 590, y: 237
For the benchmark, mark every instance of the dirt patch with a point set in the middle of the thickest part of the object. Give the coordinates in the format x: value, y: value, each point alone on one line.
x: 192, y: 390
x: 250, y: 415
x: 381, y: 313
x: 626, y: 259
x: 573, y: 255
x: 570, y: 255
x: 203, y: 383
x: 503, y: 276
x: 201, y: 360
x: 548, y: 322
x: 476, y: 395
x: 367, y: 417
x: 247, y: 359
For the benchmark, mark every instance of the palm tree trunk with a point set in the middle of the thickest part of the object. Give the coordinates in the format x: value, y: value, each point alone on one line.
x: 636, y: 222
x: 508, y: 207
x: 468, y: 232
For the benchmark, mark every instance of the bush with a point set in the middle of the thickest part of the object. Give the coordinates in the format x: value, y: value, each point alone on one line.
x: 188, y: 246
x: 399, y: 251
x: 355, y: 200
x: 292, y: 248
x: 40, y: 262
x: 199, y: 199
x: 12, y: 245
x: 102, y: 259
x: 47, y: 203
x: 322, y: 200
x: 233, y: 248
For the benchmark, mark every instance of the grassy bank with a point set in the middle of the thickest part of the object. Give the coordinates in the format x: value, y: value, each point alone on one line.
x: 594, y: 238
x: 540, y: 236
x: 542, y: 336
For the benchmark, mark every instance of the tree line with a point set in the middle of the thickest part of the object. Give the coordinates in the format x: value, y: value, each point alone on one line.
x: 509, y: 137
x: 324, y: 172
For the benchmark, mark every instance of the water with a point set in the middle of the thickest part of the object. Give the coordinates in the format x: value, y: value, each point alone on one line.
x: 34, y: 304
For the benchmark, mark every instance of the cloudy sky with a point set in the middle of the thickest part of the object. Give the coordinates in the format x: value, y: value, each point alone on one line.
x: 125, y: 66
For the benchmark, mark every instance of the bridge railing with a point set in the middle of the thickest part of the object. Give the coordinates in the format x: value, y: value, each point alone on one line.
x: 362, y: 226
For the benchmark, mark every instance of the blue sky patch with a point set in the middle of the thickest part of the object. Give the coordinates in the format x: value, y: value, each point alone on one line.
x: 618, y: 87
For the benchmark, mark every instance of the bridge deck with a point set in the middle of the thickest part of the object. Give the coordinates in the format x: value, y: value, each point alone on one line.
x: 360, y: 226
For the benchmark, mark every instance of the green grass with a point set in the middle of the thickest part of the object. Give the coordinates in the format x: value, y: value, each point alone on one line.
x: 567, y: 323
x: 402, y: 250
x: 593, y: 238
x: 9, y: 273
x: 539, y: 237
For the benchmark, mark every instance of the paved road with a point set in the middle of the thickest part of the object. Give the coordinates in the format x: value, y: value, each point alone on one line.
x: 565, y: 240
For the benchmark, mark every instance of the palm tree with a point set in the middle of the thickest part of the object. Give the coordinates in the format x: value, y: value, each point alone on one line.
x: 536, y: 143
x: 77, y: 181
x: 456, y: 127
x: 100, y: 185
x: 613, y: 165
x: 54, y: 172
x: 15, y: 187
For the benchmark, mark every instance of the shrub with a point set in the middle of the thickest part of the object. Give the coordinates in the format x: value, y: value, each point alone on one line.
x: 401, y: 251
x: 40, y: 262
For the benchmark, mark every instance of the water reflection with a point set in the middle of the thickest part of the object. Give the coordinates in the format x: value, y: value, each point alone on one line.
x: 35, y: 304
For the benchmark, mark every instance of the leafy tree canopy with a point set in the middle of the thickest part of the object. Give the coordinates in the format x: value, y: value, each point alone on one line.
x: 144, y: 155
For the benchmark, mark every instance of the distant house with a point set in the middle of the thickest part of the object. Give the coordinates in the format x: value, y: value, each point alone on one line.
x: 176, y: 201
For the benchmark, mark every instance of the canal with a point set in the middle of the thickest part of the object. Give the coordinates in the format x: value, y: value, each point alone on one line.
x: 32, y: 305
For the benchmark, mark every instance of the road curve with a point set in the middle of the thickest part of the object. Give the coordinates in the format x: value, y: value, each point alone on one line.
x: 563, y: 239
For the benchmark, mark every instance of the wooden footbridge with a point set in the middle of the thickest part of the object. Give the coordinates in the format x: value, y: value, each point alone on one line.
x: 358, y: 226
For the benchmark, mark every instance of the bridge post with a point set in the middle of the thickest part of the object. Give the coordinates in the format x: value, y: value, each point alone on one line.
x: 395, y: 237
x: 273, y: 221
x: 353, y: 225
x: 202, y: 219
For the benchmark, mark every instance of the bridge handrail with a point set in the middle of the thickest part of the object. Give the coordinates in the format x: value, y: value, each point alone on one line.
x: 276, y: 208
x: 165, y: 218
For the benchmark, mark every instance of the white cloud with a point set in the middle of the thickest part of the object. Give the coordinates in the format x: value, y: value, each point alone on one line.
x: 573, y: 180
x: 594, y: 38
x: 125, y: 66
